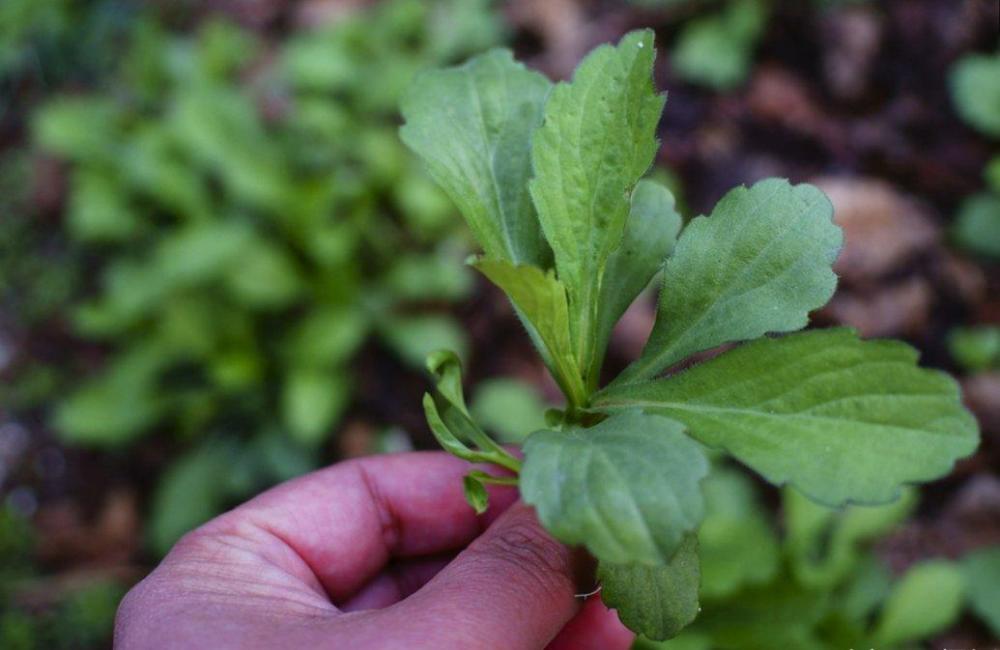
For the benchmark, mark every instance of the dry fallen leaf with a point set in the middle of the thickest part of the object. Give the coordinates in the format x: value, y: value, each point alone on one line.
x: 883, y: 229
x: 892, y: 310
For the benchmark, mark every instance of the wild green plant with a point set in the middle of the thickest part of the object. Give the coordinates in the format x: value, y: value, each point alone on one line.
x: 550, y: 180
x: 43, y: 44
x: 78, y: 615
x: 975, y: 89
x: 716, y: 47
x: 975, y: 348
x: 818, y: 584
x: 252, y: 220
x: 716, y: 50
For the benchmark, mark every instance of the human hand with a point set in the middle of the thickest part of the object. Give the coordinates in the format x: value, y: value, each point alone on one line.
x: 359, y: 555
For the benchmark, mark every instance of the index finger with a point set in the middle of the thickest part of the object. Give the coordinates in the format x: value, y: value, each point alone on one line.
x: 347, y: 521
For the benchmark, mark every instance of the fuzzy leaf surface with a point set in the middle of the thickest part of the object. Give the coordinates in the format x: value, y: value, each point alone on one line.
x: 760, y: 263
x: 449, y: 418
x: 597, y: 140
x: 540, y: 300
x: 650, y: 236
x: 627, y: 488
x: 475, y: 493
x: 655, y: 601
x: 472, y: 125
x: 839, y: 418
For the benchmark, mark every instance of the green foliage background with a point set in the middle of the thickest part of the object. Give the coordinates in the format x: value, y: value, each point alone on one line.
x: 240, y: 220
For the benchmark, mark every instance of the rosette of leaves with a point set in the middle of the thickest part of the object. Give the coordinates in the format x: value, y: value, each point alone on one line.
x: 550, y: 180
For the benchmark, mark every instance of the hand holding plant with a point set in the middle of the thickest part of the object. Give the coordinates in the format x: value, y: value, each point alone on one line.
x: 354, y: 556
x: 549, y: 180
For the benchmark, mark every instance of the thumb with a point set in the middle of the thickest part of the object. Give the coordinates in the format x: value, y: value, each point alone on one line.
x: 512, y: 588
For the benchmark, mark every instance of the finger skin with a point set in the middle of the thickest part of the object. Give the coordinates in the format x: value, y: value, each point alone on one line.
x: 266, y: 574
x: 512, y: 588
x: 347, y: 521
x: 595, y: 628
x: 395, y: 583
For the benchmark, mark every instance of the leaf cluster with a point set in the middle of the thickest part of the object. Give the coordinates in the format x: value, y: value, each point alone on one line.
x: 250, y: 220
x: 817, y: 585
x: 550, y: 180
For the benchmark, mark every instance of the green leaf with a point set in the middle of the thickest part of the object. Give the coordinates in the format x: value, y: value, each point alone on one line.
x: 650, y: 236
x: 737, y: 542
x: 781, y: 614
x: 153, y: 169
x: 626, y: 488
x: 475, y: 493
x: 977, y: 226
x: 312, y: 402
x: 597, y: 140
x: 975, y: 88
x: 449, y: 417
x: 839, y: 418
x: 222, y: 132
x: 414, y: 336
x: 201, y: 252
x: 98, y: 209
x: 716, y: 50
x: 443, y: 433
x: 118, y: 405
x: 975, y: 348
x: 655, y: 601
x: 472, y: 125
x: 509, y: 408
x: 446, y: 369
x: 78, y: 128
x: 992, y: 174
x: 192, y: 491
x: 685, y: 641
x: 326, y: 336
x: 264, y: 276
x: 759, y: 264
x: 540, y: 300
x: 824, y: 544
x: 428, y: 277
x: 981, y: 569
x: 866, y: 590
x: 926, y: 600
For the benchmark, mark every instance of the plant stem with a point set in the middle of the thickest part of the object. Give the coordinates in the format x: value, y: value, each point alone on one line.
x: 483, y: 477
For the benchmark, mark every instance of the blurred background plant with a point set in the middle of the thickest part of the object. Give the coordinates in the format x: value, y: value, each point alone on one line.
x: 256, y: 222
x: 975, y: 87
x: 219, y: 268
x: 820, y: 585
